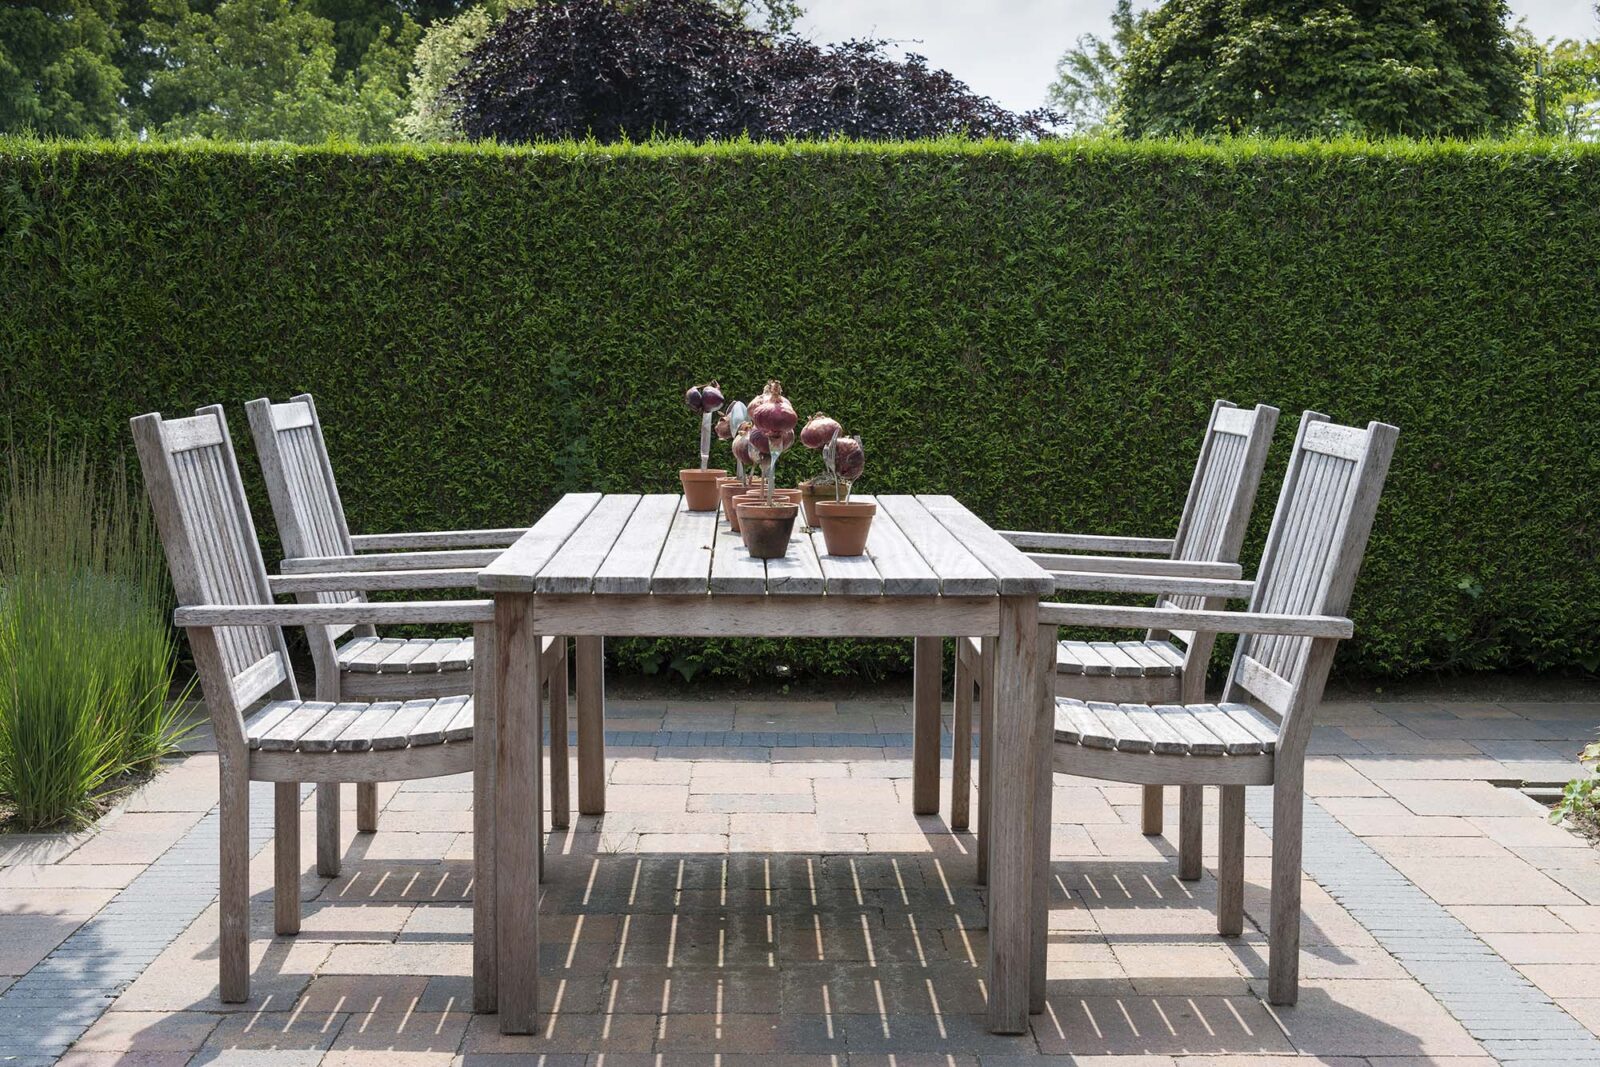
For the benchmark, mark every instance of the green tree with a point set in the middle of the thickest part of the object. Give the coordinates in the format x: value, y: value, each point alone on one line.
x: 1087, y: 81
x: 1421, y: 68
x: 774, y: 16
x: 267, y: 69
x: 441, y: 55
x: 58, y: 69
x: 1563, y: 95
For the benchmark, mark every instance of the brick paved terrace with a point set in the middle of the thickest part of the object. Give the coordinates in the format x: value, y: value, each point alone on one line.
x: 760, y: 892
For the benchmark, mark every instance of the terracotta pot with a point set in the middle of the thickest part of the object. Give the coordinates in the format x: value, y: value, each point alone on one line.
x: 700, y: 488
x: 812, y: 495
x: 727, y: 489
x: 767, y: 527
x: 845, y: 525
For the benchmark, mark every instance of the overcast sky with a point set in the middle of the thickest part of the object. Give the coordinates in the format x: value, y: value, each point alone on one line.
x: 1008, y: 49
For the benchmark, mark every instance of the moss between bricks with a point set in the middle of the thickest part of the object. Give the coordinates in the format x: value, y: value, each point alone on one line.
x: 1037, y: 329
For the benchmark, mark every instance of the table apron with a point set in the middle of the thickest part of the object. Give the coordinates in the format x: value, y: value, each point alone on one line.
x: 727, y: 615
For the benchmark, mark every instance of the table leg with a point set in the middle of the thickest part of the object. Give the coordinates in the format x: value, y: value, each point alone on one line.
x: 1018, y: 716
x: 485, y: 979
x: 928, y: 668
x: 517, y: 807
x: 590, y: 654
x: 985, y: 755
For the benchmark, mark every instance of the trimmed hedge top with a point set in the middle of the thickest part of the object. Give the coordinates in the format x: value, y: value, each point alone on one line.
x: 1038, y: 329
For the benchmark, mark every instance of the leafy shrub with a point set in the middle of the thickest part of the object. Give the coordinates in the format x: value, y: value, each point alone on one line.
x: 1580, y: 798
x: 1039, y: 330
x: 689, y: 68
x: 86, y: 651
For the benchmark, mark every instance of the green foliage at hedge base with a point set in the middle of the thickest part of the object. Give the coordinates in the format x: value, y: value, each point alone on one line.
x: 1037, y: 329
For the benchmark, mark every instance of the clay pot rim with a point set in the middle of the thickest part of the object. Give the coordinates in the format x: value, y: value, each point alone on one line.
x: 784, y: 506
x: 695, y: 474
x: 848, y: 505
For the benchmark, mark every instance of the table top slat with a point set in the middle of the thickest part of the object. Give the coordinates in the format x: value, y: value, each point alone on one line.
x: 1017, y: 574
x: 733, y: 568
x: 685, y: 562
x: 514, y: 570
x: 901, y: 568
x: 958, y: 571
x: 855, y: 575
x: 798, y: 573
x: 632, y: 560
x: 572, y: 568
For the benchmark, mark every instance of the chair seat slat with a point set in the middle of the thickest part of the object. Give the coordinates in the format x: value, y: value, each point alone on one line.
x: 1129, y: 737
x: 357, y: 737
x: 1237, y: 740
x: 1152, y: 664
x: 320, y: 737
x: 284, y: 735
x: 433, y: 725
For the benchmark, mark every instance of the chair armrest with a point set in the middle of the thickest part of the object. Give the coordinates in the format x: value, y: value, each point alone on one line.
x: 413, y: 611
x: 1158, y: 585
x: 1060, y: 542
x: 365, y: 581
x: 1180, y: 568
x: 394, y: 561
x: 1215, y: 622
x: 438, y: 539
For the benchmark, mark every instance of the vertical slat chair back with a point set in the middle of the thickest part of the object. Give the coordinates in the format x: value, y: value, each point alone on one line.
x: 192, y: 478
x: 1309, y: 567
x: 304, y: 495
x: 1216, y: 513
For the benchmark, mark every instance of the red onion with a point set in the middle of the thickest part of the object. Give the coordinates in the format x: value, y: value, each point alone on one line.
x: 710, y: 396
x: 694, y: 400
x: 849, y: 458
x: 760, y: 443
x: 819, y: 431
x: 775, y: 414
x: 724, y: 429
x: 741, y: 446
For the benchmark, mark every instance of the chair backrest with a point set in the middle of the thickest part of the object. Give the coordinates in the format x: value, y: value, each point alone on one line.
x: 1216, y: 513
x: 304, y: 495
x: 1309, y: 567
x: 192, y: 478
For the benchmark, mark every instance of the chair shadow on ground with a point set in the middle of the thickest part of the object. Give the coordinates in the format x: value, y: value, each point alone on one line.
x: 802, y: 953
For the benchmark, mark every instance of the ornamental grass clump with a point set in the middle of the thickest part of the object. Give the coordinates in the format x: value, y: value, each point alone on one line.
x: 87, y: 656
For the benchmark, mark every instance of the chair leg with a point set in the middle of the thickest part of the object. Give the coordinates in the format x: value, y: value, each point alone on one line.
x: 560, y: 789
x: 328, y: 857
x: 985, y: 681
x: 1230, y: 861
x: 233, y: 836
x: 1191, y: 800
x: 367, y: 807
x: 1153, y: 800
x: 961, y: 743
x: 286, y: 857
x: 1283, y: 965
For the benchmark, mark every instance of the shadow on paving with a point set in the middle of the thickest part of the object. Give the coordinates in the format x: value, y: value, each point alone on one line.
x: 744, y: 954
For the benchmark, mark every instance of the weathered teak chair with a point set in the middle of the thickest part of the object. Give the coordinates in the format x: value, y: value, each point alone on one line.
x: 316, y: 538
x: 1258, y: 734
x: 1164, y: 667
x: 236, y: 633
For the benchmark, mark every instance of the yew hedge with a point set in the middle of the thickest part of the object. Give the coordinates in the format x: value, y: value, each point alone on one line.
x: 1038, y: 329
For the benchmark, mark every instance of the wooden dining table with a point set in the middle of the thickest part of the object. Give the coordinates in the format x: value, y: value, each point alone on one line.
x: 630, y: 565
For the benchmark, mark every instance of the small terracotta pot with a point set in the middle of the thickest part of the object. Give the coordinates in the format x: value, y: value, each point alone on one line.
x: 845, y: 525
x: 767, y: 527
x: 811, y: 496
x: 700, y: 488
x: 727, y: 489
